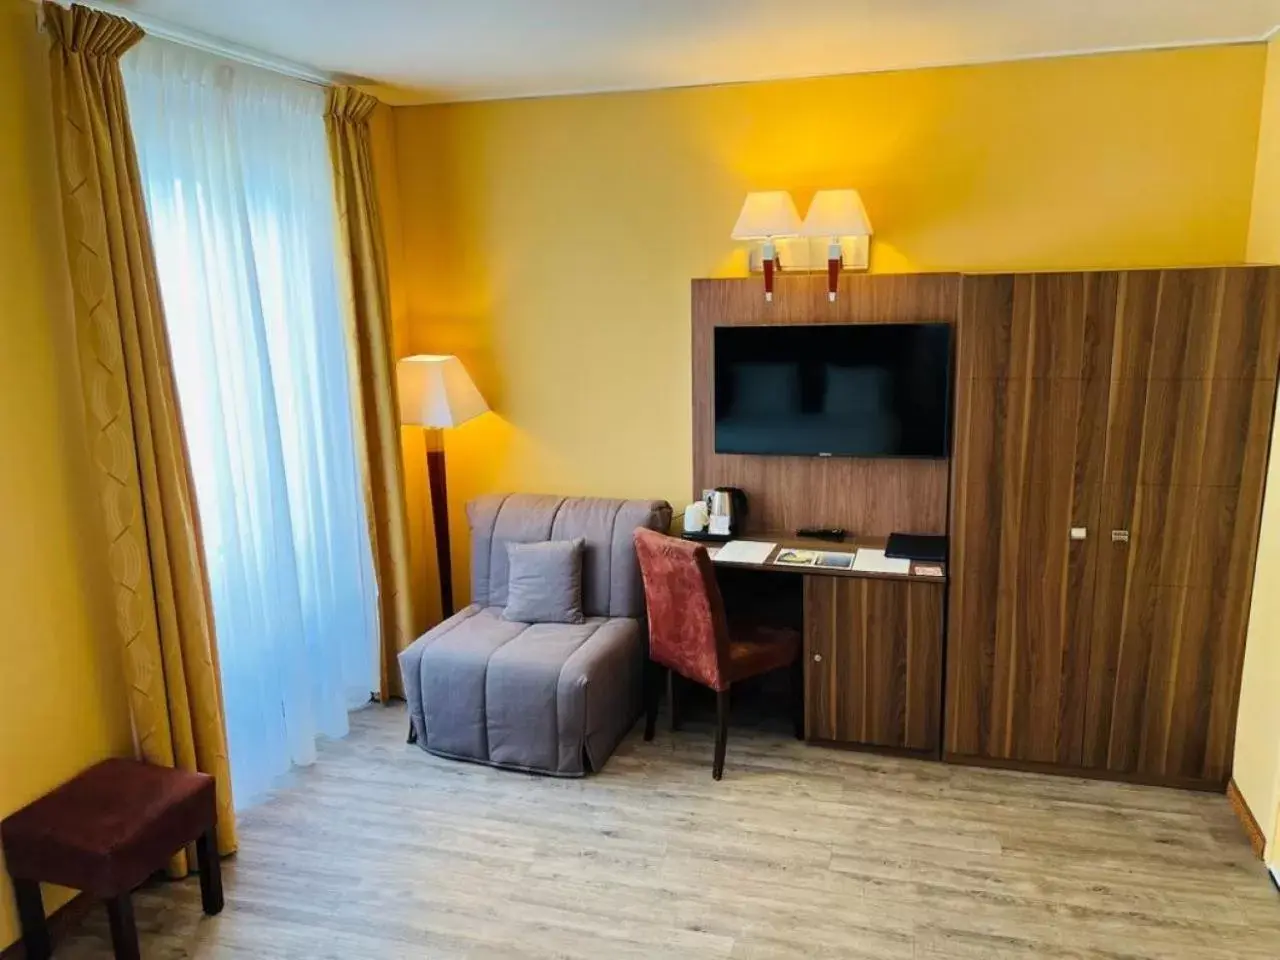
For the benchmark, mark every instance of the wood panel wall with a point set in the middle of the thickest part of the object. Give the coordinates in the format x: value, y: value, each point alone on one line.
x: 868, y: 497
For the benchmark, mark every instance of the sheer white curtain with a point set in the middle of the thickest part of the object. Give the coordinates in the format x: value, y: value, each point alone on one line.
x: 239, y: 192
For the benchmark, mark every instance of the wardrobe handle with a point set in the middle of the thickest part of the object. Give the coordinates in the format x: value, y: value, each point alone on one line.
x: 1119, y: 536
x: 817, y: 658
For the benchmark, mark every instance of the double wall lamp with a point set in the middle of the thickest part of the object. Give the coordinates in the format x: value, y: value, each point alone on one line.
x: 836, y: 216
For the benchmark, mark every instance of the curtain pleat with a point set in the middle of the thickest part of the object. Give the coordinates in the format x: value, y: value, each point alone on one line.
x: 163, y: 608
x: 373, y: 368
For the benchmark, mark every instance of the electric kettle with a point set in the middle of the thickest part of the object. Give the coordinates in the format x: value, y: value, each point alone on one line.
x: 728, y: 508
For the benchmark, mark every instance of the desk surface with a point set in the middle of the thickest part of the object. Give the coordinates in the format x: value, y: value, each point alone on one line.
x: 850, y: 546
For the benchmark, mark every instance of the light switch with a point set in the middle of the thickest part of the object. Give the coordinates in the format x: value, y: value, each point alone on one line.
x: 1079, y: 533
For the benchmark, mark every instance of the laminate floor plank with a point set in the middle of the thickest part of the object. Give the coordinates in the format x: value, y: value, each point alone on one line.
x: 380, y: 850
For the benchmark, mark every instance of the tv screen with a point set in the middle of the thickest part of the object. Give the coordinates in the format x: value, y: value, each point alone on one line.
x: 847, y: 390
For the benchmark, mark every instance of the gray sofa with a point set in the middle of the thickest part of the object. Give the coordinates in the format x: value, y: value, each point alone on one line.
x: 552, y: 698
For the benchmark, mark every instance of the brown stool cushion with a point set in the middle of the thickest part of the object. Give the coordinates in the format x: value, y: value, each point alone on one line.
x: 110, y: 828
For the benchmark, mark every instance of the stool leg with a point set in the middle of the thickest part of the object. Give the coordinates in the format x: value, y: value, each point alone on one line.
x: 124, y: 932
x: 35, y: 929
x: 210, y: 871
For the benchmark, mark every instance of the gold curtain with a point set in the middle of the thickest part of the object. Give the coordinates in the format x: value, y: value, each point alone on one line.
x: 163, y: 609
x: 373, y: 370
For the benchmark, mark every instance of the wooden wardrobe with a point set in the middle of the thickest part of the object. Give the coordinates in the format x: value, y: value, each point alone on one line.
x: 1112, y: 435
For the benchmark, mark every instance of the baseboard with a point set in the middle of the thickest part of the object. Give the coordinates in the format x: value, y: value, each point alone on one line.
x: 1257, y: 839
x: 68, y: 915
x: 906, y: 753
x: 1084, y: 773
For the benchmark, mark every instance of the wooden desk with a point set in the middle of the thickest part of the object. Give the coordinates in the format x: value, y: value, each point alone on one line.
x: 872, y: 649
x: 850, y: 546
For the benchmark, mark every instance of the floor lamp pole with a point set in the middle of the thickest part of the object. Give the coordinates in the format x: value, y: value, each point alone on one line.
x: 440, y: 518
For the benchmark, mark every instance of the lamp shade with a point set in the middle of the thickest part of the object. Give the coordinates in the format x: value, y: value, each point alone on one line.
x: 767, y: 214
x: 836, y: 213
x: 436, y: 391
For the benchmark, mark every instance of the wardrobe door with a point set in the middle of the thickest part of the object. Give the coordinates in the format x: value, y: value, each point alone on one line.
x: 1031, y: 392
x: 1191, y: 402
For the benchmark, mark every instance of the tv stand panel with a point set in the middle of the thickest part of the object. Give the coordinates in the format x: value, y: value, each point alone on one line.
x: 867, y: 497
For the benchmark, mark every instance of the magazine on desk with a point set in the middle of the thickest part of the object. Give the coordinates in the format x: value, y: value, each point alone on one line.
x: 835, y: 561
x: 796, y: 558
x: 789, y: 557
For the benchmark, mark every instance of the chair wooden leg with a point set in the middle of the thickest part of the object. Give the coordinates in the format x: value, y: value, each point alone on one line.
x: 652, y: 695
x: 124, y: 931
x: 722, y: 731
x: 35, y: 928
x: 210, y: 872
x: 797, y: 697
x: 673, y: 698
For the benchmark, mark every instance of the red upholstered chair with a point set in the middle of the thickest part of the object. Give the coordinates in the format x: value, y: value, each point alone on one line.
x: 690, y: 636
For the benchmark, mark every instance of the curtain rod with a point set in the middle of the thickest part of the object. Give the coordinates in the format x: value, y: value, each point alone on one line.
x: 190, y: 38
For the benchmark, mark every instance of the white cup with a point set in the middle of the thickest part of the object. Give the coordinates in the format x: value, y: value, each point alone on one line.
x: 696, y: 517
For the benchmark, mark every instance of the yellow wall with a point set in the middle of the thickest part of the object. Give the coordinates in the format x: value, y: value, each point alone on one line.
x: 1264, y: 223
x: 1257, y: 757
x: 61, y: 693
x: 550, y: 243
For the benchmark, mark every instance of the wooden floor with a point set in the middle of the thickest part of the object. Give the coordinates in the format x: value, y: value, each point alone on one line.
x: 380, y: 850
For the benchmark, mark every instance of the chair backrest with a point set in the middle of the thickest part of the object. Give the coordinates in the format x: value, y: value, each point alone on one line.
x: 610, y: 578
x: 687, y: 628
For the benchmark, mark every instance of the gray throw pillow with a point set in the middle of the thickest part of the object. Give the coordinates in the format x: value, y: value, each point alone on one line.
x: 544, y: 584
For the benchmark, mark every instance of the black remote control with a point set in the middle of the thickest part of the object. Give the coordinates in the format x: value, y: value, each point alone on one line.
x: 834, y: 534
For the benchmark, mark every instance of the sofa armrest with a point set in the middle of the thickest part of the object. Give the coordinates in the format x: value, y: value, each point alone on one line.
x: 600, y: 691
x: 410, y: 659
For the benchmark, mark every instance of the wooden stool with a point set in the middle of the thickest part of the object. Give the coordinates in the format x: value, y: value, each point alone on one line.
x: 104, y: 833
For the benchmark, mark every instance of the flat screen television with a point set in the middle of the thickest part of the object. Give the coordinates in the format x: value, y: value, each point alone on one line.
x: 834, y: 390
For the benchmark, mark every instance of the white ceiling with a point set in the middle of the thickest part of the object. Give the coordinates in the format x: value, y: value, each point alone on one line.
x: 435, y: 50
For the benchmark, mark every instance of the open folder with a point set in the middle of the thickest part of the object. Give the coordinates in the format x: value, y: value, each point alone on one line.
x: 744, y: 551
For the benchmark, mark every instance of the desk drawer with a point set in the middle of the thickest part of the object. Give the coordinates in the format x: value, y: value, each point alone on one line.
x: 873, y: 661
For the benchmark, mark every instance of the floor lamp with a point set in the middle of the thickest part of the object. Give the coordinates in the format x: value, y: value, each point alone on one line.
x: 437, y: 393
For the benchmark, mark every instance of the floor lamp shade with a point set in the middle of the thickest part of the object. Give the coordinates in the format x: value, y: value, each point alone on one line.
x: 437, y: 392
